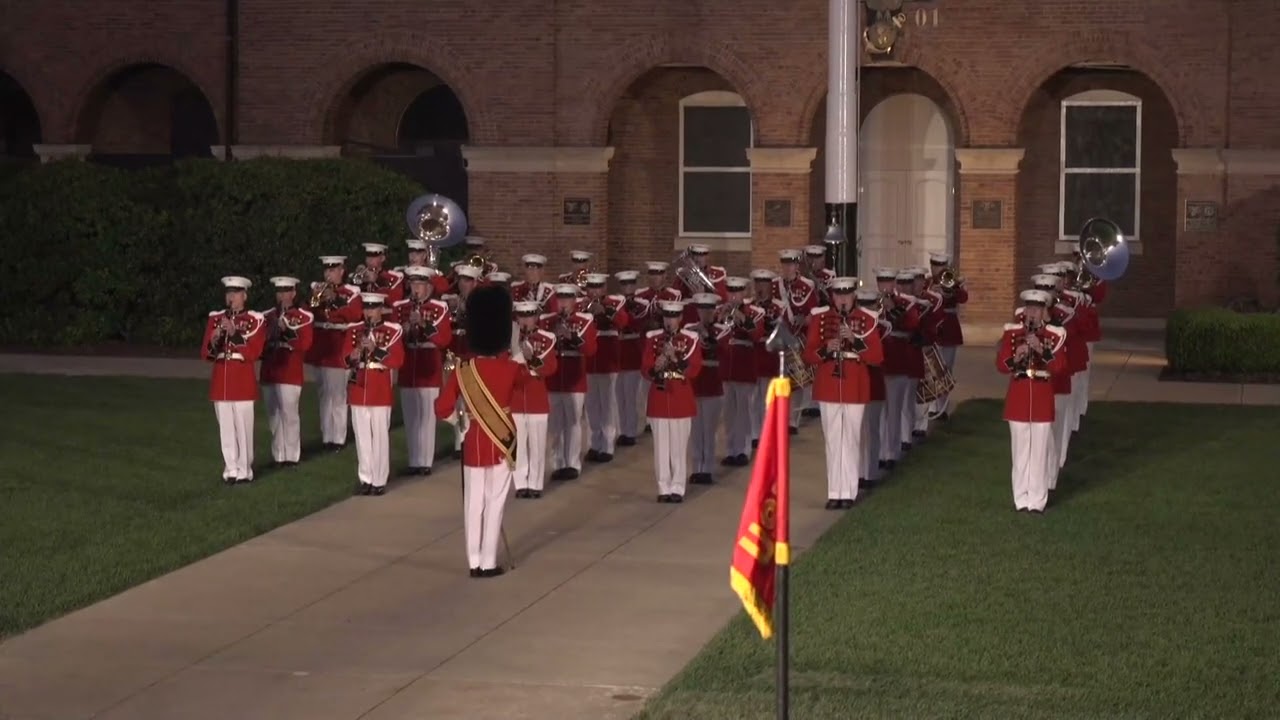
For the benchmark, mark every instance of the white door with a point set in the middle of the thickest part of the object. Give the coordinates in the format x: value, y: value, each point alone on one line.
x: 906, y: 199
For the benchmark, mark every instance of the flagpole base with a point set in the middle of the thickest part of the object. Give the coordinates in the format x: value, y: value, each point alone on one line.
x: 782, y: 613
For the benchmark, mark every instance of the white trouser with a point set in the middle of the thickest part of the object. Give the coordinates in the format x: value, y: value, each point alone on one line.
x: 869, y: 465
x: 671, y: 453
x: 1078, y: 383
x: 885, y: 453
x: 372, y: 428
x: 484, y: 497
x: 757, y: 406
x: 627, y: 390
x: 1031, y: 444
x: 921, y: 411
x: 418, y: 406
x: 1062, y: 425
x: 702, y: 439
x: 800, y: 401
x: 531, y: 450
x: 948, y: 355
x: 564, y: 430
x: 842, y: 428
x: 642, y: 401
x: 898, y: 401
x: 282, y: 418
x: 333, y: 404
x: 1084, y: 394
x: 738, y: 412
x: 908, y: 418
x: 602, y: 412
x: 1057, y: 450
x: 235, y: 434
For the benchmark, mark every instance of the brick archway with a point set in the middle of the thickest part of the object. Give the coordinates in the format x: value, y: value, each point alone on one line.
x: 1123, y: 48
x: 913, y: 57
x: 83, y: 100
x: 634, y: 59
x: 20, y: 120
x: 334, y: 80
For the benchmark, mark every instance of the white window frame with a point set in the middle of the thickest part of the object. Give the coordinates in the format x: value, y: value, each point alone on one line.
x: 1068, y: 239
x: 713, y: 98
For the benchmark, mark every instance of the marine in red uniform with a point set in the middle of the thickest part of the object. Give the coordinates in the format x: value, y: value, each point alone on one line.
x: 580, y: 260
x: 336, y: 306
x: 843, y: 342
x: 575, y: 342
x: 428, y: 330
x: 631, y: 347
x: 815, y: 258
x: 377, y: 278
x: 672, y: 361
x: 530, y: 405
x: 873, y: 466
x: 903, y: 364
x: 481, y: 389
x: 468, y: 277
x: 373, y: 350
x: 499, y: 278
x: 657, y: 289
x: 609, y: 315
x: 708, y: 386
x: 1030, y: 353
x: 289, y: 336
x: 701, y: 256
x: 233, y: 341
x: 950, y: 333
x: 801, y: 296
x: 738, y: 372
x: 475, y: 245
x: 774, y: 310
x: 420, y: 256
x: 532, y: 287
x: 931, y: 319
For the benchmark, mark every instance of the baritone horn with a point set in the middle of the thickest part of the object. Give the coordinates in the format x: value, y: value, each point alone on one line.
x: 437, y: 221
x: 687, y: 270
x: 1103, y: 250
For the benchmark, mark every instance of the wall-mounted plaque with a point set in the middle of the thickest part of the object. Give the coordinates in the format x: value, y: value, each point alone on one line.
x: 577, y: 211
x: 1201, y: 216
x: 777, y: 213
x: 987, y: 215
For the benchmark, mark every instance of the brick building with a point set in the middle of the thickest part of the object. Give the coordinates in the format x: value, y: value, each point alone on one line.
x: 991, y: 130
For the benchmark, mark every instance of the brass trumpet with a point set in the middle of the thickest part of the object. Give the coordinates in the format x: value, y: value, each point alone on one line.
x: 317, y: 295
x: 949, y: 279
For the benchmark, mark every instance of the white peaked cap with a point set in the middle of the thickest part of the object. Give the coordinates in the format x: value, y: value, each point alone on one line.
x: 534, y: 259
x: 579, y: 255
x: 736, y: 283
x: 657, y: 266
x: 1035, y: 296
x: 414, y: 244
x: 671, y: 307
x: 374, y: 248
x: 843, y: 284
x: 419, y: 272
x: 566, y: 289
x: 763, y: 275
x: 625, y: 276
x: 815, y: 250
x: 526, y: 307
x: 373, y: 298
x: 235, y: 282
x: 788, y: 254
x: 1042, y: 279
x: 332, y: 260
x: 473, y: 241
x: 468, y: 271
x: 937, y: 258
x: 906, y: 276
x: 699, y: 249
x: 884, y: 273
x: 597, y: 278
x: 867, y: 295
x: 705, y: 299
x: 284, y: 282
x: 1048, y: 268
x: 498, y: 277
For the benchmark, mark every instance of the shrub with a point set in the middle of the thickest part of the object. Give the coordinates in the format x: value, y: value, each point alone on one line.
x: 94, y: 254
x: 1216, y: 341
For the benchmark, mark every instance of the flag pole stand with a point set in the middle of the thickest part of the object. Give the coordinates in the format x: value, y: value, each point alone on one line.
x: 782, y: 557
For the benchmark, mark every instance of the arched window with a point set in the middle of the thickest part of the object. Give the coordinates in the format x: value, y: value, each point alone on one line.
x: 1101, y: 162
x: 715, y: 173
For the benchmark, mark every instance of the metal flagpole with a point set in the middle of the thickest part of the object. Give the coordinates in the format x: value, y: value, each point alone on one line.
x: 844, y: 56
x: 783, y: 575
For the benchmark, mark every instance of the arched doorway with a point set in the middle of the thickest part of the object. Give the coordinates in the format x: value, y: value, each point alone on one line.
x: 404, y: 117
x: 147, y: 114
x: 19, y: 122
x: 1098, y: 143
x: 906, y: 207
x: 680, y: 172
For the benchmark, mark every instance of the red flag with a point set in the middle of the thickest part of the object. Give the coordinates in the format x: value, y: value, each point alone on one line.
x: 762, y: 542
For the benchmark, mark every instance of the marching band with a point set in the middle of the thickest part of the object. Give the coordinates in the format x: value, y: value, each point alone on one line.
x: 685, y: 353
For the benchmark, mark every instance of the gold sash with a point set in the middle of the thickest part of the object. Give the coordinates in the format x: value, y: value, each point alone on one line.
x: 495, y: 421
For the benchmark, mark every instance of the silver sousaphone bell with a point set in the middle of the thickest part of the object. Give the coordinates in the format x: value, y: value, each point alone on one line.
x: 1103, y: 249
x: 437, y: 221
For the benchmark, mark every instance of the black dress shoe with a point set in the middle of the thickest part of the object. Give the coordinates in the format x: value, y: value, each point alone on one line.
x: 243, y: 481
x: 846, y: 504
x: 380, y: 490
x: 701, y: 479
x: 604, y: 457
x: 675, y: 498
x: 884, y: 464
x: 626, y: 440
x: 228, y: 481
x: 648, y: 430
x: 944, y: 416
x: 664, y: 498
x: 592, y: 456
x: 535, y: 494
x: 727, y: 461
x: 522, y: 493
x: 755, y: 444
x: 867, y: 484
x: 364, y: 489
x: 918, y: 433
x: 833, y: 504
x: 906, y: 447
x: 570, y: 474
x: 492, y: 572
x: 890, y: 464
x: 810, y: 413
x: 475, y: 572
x: 337, y: 447
x: 424, y: 471
x: 794, y: 430
x: 741, y: 460
x: 558, y: 474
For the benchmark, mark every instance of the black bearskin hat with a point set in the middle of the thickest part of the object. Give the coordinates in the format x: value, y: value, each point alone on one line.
x: 488, y: 320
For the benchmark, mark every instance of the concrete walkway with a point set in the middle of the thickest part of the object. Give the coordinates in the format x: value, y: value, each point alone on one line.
x: 364, y: 610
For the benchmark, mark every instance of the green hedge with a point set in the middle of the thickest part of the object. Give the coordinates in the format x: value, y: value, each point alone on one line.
x: 1215, y: 341
x: 96, y: 255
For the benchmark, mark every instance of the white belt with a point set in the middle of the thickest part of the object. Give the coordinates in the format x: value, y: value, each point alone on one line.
x: 900, y: 335
x: 742, y: 343
x: 1036, y: 374
x: 951, y: 311
x: 373, y: 366
x: 608, y: 333
x: 570, y: 353
x: 231, y: 356
x: 630, y: 336
x: 331, y: 326
x: 420, y: 346
x: 846, y: 355
x: 460, y: 331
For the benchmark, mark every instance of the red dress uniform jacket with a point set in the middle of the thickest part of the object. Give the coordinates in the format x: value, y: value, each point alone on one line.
x: 530, y: 396
x: 1030, y: 395
x: 522, y: 291
x: 389, y: 283
x: 424, y: 343
x: 803, y: 294
x: 609, y: 328
x: 738, y: 358
x: 233, y: 356
x: 372, y: 382
x: 571, y: 362
x: 713, y: 340
x: 843, y: 377
x: 875, y: 373
x: 1077, y: 352
x: 286, y: 347
x: 500, y: 375
x: 950, y: 333
x: 774, y: 311
x: 674, y: 399
x: 331, y: 323
x: 717, y: 275
x: 653, y: 321
x: 1086, y: 316
x: 1060, y: 380
x: 631, y: 338
x: 902, y: 357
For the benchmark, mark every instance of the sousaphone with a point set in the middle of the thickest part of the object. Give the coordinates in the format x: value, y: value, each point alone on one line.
x: 437, y: 221
x: 1103, y: 249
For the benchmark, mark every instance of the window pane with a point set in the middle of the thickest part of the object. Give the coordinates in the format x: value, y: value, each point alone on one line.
x: 1102, y: 136
x: 1090, y: 195
x: 717, y: 202
x: 716, y: 136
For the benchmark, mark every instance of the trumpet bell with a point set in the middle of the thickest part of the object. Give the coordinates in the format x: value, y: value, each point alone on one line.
x: 436, y: 220
x: 1103, y: 249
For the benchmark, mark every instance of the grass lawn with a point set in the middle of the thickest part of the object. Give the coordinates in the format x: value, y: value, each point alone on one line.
x: 1150, y: 589
x: 108, y: 482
